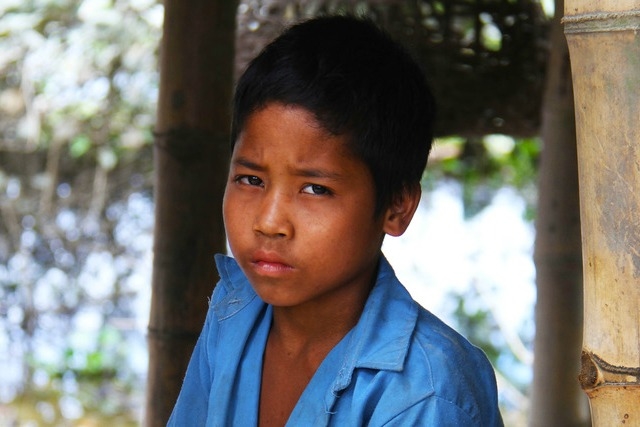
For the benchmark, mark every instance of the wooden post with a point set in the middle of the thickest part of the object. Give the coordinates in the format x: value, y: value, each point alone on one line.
x: 556, y: 396
x: 604, y: 46
x: 191, y: 157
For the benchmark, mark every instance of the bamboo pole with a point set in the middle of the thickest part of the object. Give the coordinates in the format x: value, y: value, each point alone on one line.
x: 604, y: 47
x: 191, y: 155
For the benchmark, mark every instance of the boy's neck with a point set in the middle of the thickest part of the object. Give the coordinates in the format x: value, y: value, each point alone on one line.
x: 299, y: 340
x: 309, y: 327
x: 299, y: 332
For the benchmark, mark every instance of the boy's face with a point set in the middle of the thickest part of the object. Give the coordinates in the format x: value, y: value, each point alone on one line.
x: 298, y: 211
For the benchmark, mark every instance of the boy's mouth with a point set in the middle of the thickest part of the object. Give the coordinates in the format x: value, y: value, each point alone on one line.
x: 269, y: 263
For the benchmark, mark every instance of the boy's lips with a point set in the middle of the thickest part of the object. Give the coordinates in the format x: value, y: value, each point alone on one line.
x: 269, y: 263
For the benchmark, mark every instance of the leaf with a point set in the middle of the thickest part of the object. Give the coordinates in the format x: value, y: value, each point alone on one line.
x: 79, y: 146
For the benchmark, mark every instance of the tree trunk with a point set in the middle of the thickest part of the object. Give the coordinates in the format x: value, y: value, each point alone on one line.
x: 605, y: 59
x: 191, y: 155
x: 557, y: 399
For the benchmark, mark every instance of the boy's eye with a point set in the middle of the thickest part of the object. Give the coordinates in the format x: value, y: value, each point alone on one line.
x: 316, y: 189
x: 249, y: 180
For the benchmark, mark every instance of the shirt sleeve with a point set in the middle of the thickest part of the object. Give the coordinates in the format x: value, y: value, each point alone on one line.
x: 192, y: 404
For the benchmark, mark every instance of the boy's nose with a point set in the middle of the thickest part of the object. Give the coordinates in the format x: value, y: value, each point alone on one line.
x: 273, y: 218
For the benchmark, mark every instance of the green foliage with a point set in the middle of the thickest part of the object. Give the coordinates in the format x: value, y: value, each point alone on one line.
x: 484, y: 165
x: 104, y: 360
x: 78, y: 90
x: 79, y: 146
x: 81, y: 71
x: 477, y: 324
x: 93, y: 404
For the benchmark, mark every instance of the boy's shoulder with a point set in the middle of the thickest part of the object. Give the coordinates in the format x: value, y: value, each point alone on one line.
x: 456, y: 371
x: 439, y: 344
x: 440, y: 341
x: 429, y: 327
x: 420, y: 357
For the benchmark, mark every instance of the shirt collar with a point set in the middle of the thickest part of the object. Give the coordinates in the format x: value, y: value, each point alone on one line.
x: 380, y: 340
x: 239, y: 293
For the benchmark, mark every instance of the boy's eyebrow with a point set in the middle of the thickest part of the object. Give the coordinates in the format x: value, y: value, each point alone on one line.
x: 241, y: 161
x: 316, y: 173
x: 302, y: 172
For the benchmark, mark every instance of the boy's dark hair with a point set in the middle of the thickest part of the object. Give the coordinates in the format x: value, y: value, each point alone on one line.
x: 357, y: 82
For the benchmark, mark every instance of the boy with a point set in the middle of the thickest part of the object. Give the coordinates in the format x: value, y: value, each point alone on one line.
x: 332, y: 126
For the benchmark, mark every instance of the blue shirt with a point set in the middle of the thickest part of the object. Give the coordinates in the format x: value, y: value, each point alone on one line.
x: 399, y: 366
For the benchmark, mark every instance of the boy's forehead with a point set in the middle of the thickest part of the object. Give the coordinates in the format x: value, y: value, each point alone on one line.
x: 258, y: 149
x: 285, y: 138
x: 295, y: 113
x: 283, y: 126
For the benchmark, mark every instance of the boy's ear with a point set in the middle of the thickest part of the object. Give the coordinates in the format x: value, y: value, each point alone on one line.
x: 399, y: 214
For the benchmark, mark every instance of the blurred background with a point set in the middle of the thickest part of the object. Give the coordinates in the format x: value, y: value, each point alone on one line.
x: 78, y: 95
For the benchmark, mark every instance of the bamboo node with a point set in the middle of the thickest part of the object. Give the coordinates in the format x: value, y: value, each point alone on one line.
x: 588, y: 376
x: 595, y: 371
x: 602, y: 22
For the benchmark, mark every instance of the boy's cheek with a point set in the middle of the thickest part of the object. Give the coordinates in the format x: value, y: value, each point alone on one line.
x: 236, y: 201
x: 227, y: 211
